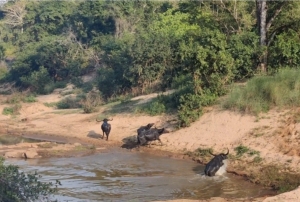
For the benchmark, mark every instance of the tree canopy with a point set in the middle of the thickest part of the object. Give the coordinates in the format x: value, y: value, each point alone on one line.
x: 144, y: 46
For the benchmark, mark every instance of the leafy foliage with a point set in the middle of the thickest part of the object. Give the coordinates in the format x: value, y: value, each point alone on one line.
x: 286, y: 50
x: 137, y: 47
x: 18, y: 186
x: 13, y: 110
x: 153, y: 108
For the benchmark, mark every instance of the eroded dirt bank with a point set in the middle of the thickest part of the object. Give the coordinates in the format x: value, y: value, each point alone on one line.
x: 261, y: 148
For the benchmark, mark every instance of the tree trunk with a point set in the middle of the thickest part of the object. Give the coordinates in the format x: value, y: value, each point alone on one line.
x: 261, y: 6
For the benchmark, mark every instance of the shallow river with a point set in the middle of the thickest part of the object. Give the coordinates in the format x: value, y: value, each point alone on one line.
x: 120, y: 175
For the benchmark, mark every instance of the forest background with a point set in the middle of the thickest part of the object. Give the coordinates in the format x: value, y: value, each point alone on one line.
x: 198, y: 48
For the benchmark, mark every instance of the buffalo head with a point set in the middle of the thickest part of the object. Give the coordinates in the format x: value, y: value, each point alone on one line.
x: 105, y: 120
x: 222, y: 155
x: 215, y: 164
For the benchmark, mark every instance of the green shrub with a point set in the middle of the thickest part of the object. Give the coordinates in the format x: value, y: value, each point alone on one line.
x: 240, y: 150
x: 47, y: 88
x: 90, y: 102
x: 8, y: 111
x: 14, y: 110
x: 77, y: 81
x: 68, y: 103
x: 21, y: 187
x: 154, y: 108
x: 60, y: 84
x: 38, y: 80
x: 191, y: 107
x: 29, y: 99
x: 86, y: 87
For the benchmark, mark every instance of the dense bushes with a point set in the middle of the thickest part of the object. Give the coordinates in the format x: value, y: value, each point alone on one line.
x: 145, y: 46
x: 18, y: 186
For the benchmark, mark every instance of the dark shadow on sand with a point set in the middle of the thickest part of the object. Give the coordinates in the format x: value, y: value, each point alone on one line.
x: 93, y: 134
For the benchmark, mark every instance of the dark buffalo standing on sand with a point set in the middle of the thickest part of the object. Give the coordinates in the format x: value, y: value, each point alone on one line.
x: 106, y: 127
x: 151, y: 135
x: 142, y: 129
x: 215, y: 164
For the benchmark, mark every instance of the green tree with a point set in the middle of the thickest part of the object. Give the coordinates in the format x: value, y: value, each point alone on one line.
x: 16, y: 186
x: 274, y: 18
x: 62, y: 58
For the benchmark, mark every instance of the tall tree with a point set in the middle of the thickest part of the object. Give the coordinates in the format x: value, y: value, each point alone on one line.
x: 14, y: 14
x: 269, y: 24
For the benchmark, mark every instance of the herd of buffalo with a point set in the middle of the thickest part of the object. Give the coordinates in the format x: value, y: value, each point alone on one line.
x: 147, y: 134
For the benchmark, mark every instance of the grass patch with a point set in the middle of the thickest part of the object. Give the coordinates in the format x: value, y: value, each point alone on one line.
x: 47, y: 145
x: 29, y: 99
x: 241, y: 150
x: 200, y: 153
x: 126, y: 106
x: 257, y: 159
x: 280, y: 180
x: 84, y: 148
x: 13, y: 110
x: 152, y: 108
x: 264, y: 92
x: 159, y: 105
x: 67, y: 111
x: 50, y: 104
x: 18, y: 97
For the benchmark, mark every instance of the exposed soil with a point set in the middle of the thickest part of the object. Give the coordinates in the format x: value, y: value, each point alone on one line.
x: 272, y: 139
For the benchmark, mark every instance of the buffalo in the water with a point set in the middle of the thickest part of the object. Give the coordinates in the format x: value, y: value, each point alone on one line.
x: 151, y: 135
x: 106, y: 127
x: 142, y: 129
x: 215, y: 164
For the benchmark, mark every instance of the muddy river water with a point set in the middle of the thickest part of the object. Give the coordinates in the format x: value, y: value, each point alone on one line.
x: 121, y: 175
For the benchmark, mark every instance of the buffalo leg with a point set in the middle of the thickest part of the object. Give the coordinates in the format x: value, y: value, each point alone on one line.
x: 160, y: 142
x: 142, y: 140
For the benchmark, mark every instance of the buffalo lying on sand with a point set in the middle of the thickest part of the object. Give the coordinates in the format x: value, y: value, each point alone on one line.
x: 215, y: 164
x: 142, y: 129
x: 151, y: 135
x: 106, y: 127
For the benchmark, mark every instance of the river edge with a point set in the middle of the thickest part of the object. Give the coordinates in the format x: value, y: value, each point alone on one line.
x: 78, y: 147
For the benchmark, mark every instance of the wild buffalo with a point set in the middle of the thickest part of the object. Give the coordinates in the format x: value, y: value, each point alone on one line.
x: 215, y: 164
x: 106, y: 127
x: 142, y: 129
x: 151, y: 135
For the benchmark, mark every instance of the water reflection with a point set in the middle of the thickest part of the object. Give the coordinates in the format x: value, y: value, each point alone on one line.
x: 129, y: 176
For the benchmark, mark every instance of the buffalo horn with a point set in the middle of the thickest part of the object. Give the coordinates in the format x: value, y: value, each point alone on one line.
x: 211, y: 153
x: 227, y: 152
